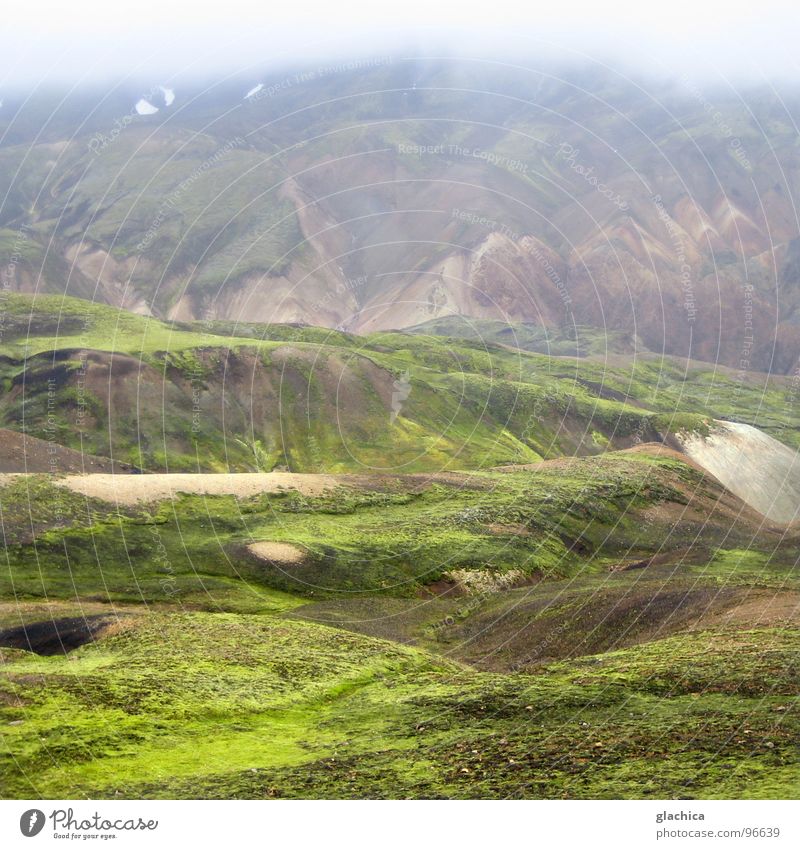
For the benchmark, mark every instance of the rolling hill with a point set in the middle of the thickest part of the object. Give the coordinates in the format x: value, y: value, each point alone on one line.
x: 225, y: 397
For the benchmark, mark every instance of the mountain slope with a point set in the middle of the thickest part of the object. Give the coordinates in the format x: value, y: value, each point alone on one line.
x: 411, y: 190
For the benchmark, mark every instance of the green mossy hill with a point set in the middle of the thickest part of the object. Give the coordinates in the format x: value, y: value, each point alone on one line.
x: 579, y: 629
x: 390, y: 535
x: 230, y: 706
x: 168, y: 397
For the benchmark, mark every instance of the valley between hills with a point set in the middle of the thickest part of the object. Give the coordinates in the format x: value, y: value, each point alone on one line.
x: 280, y: 561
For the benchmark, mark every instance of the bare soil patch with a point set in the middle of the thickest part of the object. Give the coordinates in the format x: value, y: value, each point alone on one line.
x: 134, y: 489
x: 762, y: 609
x: 277, y: 552
x: 24, y: 453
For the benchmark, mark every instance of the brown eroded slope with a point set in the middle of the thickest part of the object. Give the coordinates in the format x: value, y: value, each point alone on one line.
x: 21, y: 452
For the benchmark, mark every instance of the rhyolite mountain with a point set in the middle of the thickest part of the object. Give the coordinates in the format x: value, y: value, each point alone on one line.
x: 395, y: 192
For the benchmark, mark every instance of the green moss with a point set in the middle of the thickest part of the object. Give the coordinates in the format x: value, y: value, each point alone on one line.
x: 392, y: 538
x: 195, y: 705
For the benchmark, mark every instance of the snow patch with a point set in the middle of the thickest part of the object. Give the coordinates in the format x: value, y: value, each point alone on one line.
x: 144, y: 107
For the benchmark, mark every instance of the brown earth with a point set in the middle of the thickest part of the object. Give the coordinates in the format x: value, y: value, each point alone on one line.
x: 524, y: 631
x: 23, y: 453
x: 524, y: 628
